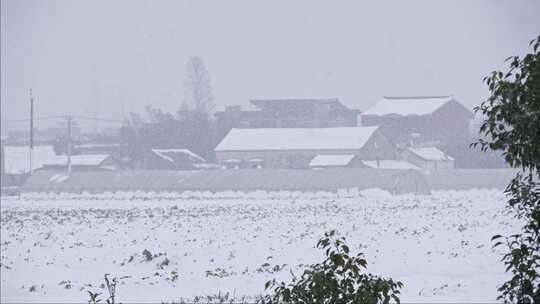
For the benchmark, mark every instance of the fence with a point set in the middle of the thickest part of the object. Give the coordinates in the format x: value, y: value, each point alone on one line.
x: 394, y: 181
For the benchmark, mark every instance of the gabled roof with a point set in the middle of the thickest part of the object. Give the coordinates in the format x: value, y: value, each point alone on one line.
x: 430, y: 153
x: 98, y: 146
x: 331, y: 160
x: 404, y: 106
x: 171, y: 154
x: 296, y: 139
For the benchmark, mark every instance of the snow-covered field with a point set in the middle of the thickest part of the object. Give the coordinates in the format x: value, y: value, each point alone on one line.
x: 54, y: 249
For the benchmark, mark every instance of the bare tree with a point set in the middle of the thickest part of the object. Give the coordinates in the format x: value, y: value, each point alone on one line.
x: 197, y: 90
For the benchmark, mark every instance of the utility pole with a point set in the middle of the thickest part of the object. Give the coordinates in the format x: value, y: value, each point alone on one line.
x: 69, y: 118
x: 31, y: 132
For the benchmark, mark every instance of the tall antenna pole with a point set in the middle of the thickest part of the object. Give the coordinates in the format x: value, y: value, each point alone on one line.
x: 31, y: 131
x: 69, y: 145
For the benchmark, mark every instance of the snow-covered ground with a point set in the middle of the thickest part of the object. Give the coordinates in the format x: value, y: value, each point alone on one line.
x: 53, y: 250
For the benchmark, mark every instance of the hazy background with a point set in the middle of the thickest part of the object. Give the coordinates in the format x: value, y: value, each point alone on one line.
x: 107, y: 58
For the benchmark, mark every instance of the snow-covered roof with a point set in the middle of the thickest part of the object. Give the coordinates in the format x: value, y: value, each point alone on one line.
x: 430, y: 153
x: 97, y: 145
x: 419, y: 105
x: 79, y: 160
x: 232, y: 160
x: 206, y: 166
x: 58, y: 178
x: 390, y: 164
x: 17, y: 158
x: 167, y: 153
x: 332, y: 160
x: 296, y: 139
x: 256, y: 160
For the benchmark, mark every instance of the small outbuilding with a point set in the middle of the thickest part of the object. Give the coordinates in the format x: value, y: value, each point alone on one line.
x: 170, y: 159
x: 334, y: 161
x: 429, y: 158
x: 81, y: 162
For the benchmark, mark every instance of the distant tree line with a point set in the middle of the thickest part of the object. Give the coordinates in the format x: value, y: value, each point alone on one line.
x: 187, y: 129
x: 191, y: 127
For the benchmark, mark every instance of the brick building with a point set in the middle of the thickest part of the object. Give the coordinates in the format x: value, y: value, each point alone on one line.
x: 420, y: 119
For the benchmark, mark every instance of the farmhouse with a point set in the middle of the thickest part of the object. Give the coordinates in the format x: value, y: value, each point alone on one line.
x: 429, y: 158
x: 421, y: 119
x: 296, y: 147
x: 290, y: 113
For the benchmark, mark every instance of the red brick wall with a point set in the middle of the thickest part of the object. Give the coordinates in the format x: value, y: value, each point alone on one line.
x: 449, y: 124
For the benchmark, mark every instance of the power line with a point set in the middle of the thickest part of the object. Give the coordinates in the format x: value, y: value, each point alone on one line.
x: 97, y: 118
x: 62, y: 117
x: 35, y: 118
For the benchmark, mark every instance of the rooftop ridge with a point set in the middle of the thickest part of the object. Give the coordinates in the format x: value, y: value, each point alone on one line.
x: 296, y: 99
x: 417, y: 97
x: 260, y: 139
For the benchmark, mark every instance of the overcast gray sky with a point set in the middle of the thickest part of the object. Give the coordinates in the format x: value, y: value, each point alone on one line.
x: 97, y: 57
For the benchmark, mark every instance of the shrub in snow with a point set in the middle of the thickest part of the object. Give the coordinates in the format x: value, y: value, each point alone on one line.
x: 338, y: 279
x: 147, y: 255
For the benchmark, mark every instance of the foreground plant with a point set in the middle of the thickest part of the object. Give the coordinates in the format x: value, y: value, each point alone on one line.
x: 111, y: 288
x: 512, y: 125
x: 220, y: 298
x: 338, y: 280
